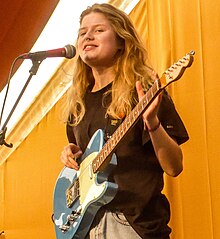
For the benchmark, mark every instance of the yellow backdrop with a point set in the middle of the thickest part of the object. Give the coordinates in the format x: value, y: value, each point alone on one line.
x: 170, y: 29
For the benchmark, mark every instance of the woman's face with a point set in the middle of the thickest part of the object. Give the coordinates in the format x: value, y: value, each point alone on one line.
x: 97, y: 42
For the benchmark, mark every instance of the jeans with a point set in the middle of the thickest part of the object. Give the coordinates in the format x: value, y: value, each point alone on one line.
x: 111, y: 225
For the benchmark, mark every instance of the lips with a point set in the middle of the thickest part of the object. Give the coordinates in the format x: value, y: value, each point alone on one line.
x: 89, y: 46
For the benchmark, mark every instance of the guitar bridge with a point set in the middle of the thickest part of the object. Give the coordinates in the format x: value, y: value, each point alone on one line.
x: 72, y: 193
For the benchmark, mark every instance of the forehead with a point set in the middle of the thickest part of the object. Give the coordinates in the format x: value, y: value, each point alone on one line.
x: 93, y: 19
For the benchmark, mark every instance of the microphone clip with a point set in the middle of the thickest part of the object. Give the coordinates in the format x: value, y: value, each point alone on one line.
x: 35, y: 64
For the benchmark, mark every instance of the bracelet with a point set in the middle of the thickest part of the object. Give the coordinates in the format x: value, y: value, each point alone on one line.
x: 155, y: 128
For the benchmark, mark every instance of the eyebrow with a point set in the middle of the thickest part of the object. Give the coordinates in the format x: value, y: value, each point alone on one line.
x: 94, y: 26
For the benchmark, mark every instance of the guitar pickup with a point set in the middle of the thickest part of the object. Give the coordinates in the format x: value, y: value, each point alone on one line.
x: 72, y: 193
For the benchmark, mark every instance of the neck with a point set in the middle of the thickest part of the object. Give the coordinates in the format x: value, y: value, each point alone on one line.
x: 102, y: 78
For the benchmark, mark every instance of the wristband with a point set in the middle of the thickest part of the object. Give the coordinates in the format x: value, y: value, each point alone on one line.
x: 155, y: 128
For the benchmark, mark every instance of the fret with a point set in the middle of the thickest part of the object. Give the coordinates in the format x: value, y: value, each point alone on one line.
x: 111, y: 142
x: 119, y: 133
x: 152, y: 92
x: 94, y: 168
x: 136, y: 112
x: 145, y: 101
x: 128, y: 123
x: 97, y: 162
x: 140, y: 107
x: 115, y: 136
x: 125, y: 125
x: 106, y: 150
x: 132, y: 117
x: 109, y: 146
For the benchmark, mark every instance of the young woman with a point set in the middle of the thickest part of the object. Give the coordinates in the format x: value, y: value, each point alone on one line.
x: 111, y: 76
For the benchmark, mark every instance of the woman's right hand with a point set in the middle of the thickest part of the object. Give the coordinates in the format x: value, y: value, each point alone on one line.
x: 69, y: 156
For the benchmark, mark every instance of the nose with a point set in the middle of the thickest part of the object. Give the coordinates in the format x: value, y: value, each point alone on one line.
x: 89, y: 36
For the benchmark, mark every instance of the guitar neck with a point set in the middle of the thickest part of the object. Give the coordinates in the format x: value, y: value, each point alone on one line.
x: 125, y: 126
x: 170, y: 75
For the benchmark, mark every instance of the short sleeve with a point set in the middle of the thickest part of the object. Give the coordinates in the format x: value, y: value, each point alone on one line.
x: 170, y: 120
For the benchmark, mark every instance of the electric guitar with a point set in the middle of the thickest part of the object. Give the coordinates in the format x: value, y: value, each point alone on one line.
x: 78, y: 195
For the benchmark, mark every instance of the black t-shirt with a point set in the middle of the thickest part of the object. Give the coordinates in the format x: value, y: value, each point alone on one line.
x: 138, y: 173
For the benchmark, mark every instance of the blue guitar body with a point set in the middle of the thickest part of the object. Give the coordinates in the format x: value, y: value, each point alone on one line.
x: 79, y: 194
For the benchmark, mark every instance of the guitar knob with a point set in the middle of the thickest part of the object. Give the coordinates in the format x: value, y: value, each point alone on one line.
x: 79, y: 210
x: 71, y: 217
x: 64, y: 228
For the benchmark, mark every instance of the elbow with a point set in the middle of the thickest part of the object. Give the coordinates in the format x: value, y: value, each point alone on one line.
x: 177, y: 166
x: 175, y: 172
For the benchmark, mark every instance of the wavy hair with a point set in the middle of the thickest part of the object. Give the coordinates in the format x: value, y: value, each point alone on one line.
x: 130, y: 66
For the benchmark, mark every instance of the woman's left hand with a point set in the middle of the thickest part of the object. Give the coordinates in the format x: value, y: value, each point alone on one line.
x: 150, y: 115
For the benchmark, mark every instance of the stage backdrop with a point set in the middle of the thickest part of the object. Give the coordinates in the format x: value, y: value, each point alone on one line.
x: 170, y: 29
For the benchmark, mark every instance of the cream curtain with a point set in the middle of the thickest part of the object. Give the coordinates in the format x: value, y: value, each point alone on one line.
x: 169, y: 29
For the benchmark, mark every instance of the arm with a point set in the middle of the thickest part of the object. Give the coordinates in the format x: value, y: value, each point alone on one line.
x: 168, y: 152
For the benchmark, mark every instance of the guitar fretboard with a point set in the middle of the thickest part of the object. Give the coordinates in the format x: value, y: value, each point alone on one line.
x: 124, y: 127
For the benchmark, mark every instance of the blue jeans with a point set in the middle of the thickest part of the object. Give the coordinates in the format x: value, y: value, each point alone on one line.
x: 111, y: 225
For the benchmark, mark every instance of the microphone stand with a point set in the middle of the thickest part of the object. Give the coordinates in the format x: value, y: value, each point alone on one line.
x: 36, y: 61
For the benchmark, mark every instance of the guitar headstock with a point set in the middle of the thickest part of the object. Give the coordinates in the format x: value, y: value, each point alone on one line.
x: 175, y: 72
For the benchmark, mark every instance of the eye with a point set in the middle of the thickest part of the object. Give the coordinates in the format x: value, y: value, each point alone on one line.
x: 82, y: 34
x: 99, y: 30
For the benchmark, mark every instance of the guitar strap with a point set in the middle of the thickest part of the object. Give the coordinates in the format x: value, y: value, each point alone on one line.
x: 110, y: 126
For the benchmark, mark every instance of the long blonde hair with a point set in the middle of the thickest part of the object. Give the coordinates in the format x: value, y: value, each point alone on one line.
x: 130, y: 66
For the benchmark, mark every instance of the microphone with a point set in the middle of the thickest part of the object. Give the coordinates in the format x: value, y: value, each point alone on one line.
x: 68, y: 51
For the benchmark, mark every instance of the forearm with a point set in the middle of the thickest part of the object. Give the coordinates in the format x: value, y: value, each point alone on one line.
x: 168, y: 152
